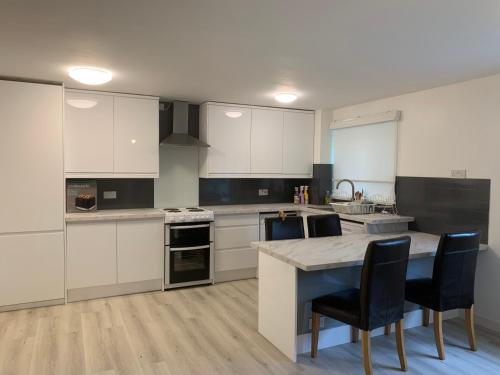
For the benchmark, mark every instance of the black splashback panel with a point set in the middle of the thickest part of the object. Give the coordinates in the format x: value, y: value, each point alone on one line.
x: 130, y: 193
x: 221, y: 191
x: 445, y: 204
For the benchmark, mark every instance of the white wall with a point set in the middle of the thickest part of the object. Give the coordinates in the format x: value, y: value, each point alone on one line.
x: 178, y: 182
x: 453, y: 127
x: 322, y: 136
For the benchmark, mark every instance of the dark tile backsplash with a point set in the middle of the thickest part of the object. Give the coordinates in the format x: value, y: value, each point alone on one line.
x: 221, y: 191
x: 321, y: 183
x: 445, y: 204
x: 130, y: 193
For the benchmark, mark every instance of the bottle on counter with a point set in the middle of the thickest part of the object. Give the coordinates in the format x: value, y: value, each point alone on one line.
x: 328, y: 197
x: 296, y: 195
x: 301, y: 195
x: 306, y: 195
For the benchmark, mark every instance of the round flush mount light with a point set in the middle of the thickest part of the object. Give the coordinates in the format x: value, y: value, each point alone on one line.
x: 233, y: 114
x: 81, y: 103
x: 285, y: 97
x: 90, y: 76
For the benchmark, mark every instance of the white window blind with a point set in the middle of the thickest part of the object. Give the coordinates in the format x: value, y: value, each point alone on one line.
x: 367, y: 155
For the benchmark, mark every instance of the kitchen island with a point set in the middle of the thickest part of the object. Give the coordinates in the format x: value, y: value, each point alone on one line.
x: 293, y: 272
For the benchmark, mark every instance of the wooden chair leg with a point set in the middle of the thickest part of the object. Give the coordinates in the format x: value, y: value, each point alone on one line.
x: 469, y: 321
x: 426, y: 316
x: 438, y: 333
x: 314, y: 334
x: 354, y: 334
x: 387, y: 330
x: 367, y: 355
x: 400, y: 343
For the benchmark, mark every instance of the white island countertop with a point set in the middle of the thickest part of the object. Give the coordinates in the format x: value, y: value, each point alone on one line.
x: 313, y: 254
x: 272, y: 207
x: 123, y: 214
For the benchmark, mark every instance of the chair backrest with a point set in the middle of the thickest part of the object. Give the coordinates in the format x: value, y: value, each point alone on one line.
x: 324, y: 225
x: 290, y: 228
x: 383, y: 279
x: 455, y: 270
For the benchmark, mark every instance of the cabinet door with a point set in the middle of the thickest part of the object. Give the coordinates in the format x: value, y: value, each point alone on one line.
x: 267, y: 141
x: 91, y: 254
x: 88, y: 133
x: 229, y: 139
x: 136, y: 136
x: 31, y: 267
x: 31, y: 159
x: 298, y: 143
x: 140, y: 246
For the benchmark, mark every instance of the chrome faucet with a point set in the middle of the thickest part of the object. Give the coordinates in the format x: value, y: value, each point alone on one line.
x: 352, y: 187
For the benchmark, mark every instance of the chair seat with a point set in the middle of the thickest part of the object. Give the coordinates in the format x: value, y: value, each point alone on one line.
x: 419, y: 291
x: 343, y: 306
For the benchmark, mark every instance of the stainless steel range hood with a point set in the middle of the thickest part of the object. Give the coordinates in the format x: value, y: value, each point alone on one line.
x: 181, y: 134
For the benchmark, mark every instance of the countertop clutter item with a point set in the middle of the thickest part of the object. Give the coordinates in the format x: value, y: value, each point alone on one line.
x: 353, y: 208
x: 81, y: 195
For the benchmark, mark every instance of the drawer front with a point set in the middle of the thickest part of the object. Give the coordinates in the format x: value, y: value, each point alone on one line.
x: 350, y: 227
x: 236, y: 219
x: 235, y: 237
x: 235, y: 259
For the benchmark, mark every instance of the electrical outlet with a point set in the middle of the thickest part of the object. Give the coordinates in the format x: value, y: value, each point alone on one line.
x: 109, y: 194
x: 459, y: 173
x: 321, y: 322
x: 263, y: 192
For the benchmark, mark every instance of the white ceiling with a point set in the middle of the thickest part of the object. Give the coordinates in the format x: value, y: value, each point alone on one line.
x: 332, y: 52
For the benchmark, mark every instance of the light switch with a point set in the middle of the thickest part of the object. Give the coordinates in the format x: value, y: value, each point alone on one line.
x: 263, y: 192
x: 109, y: 194
x: 459, y: 173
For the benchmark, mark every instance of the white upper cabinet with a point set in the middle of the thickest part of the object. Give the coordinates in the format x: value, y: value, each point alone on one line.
x: 31, y: 157
x: 255, y: 142
x: 229, y: 140
x: 266, y: 135
x: 136, y: 135
x: 298, y: 143
x: 88, y: 133
x: 110, y: 135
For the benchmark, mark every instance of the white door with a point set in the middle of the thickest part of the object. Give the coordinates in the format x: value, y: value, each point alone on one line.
x: 88, y: 133
x: 31, y: 157
x: 91, y: 254
x: 31, y: 267
x: 298, y: 143
x: 140, y: 246
x: 267, y: 141
x: 229, y: 139
x: 136, y: 136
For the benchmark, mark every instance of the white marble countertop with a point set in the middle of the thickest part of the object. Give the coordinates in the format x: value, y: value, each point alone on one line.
x: 125, y: 214
x: 258, y: 208
x: 313, y: 254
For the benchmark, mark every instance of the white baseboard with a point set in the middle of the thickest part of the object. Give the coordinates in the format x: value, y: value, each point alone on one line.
x: 342, y: 335
x: 487, y: 323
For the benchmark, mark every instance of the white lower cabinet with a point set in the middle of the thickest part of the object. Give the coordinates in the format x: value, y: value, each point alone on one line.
x: 140, y: 250
x: 113, y: 253
x: 91, y: 254
x: 31, y: 267
x: 234, y: 257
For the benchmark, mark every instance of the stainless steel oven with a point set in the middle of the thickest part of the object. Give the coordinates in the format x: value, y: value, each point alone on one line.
x: 189, y: 250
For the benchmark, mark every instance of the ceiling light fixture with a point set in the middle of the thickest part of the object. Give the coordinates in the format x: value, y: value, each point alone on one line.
x: 285, y: 97
x: 90, y: 76
x: 233, y: 114
x: 81, y: 103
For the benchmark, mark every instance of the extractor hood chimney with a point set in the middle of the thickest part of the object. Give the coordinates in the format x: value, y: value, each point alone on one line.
x: 182, y: 134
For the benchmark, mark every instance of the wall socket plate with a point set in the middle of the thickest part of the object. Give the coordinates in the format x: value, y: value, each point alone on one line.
x: 109, y: 194
x: 459, y: 173
x: 321, y: 322
x: 263, y: 192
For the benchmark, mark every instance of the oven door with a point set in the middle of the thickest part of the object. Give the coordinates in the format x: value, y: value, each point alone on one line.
x: 189, y: 235
x: 188, y: 264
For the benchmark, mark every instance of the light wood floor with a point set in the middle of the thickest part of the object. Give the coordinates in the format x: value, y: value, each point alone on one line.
x: 206, y: 330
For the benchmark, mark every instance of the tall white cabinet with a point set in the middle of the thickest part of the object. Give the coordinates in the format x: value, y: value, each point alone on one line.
x: 111, y: 135
x: 31, y: 218
x: 249, y: 141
